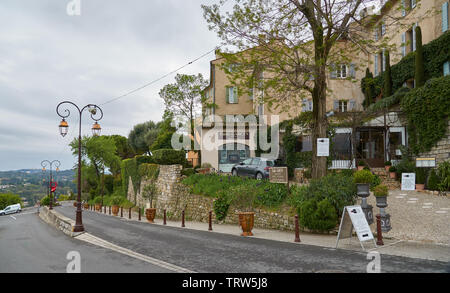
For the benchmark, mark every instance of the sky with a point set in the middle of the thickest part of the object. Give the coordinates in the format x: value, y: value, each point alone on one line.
x: 112, y: 47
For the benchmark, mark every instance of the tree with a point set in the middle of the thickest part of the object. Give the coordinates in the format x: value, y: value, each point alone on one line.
x: 123, y: 148
x: 164, y: 136
x: 142, y: 136
x: 419, y: 66
x: 295, y: 42
x: 367, y: 86
x: 387, y: 77
x: 183, y: 98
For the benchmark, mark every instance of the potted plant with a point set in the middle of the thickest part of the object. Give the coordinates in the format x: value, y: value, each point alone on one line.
x: 98, y: 203
x: 86, y: 205
x: 149, y: 192
x: 387, y: 165
x: 392, y: 172
x: 363, y: 178
x: 205, y: 169
x: 243, y: 200
x: 115, y: 202
x: 421, y: 177
x: 361, y: 165
x: 381, y: 192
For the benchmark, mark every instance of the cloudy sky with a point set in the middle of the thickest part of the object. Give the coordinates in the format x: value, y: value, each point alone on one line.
x: 114, y: 46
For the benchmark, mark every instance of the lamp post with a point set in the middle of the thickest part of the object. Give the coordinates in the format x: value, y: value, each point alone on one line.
x: 44, y: 163
x: 63, y: 129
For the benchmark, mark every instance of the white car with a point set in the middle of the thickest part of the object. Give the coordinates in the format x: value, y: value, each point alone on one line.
x: 12, y: 209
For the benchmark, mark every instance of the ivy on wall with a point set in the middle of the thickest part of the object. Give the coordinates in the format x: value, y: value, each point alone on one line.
x: 435, y: 54
x: 427, y: 110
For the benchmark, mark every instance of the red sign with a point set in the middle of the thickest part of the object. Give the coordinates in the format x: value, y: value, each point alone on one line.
x: 53, y: 186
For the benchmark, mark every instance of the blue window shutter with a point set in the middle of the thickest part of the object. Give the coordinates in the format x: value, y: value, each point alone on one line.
x: 447, y: 68
x: 235, y: 95
x: 403, y: 8
x: 304, y: 105
x: 376, y: 65
x: 310, y: 105
x: 445, y: 17
x: 414, y: 37
x: 336, y: 105
x: 403, y: 44
x: 333, y: 72
x: 352, y: 70
x: 227, y: 94
x: 351, y: 105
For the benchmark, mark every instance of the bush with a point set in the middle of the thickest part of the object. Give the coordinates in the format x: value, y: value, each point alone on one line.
x: 375, y: 182
x: 63, y: 197
x: 444, y: 174
x: 392, y: 169
x: 7, y: 199
x: 388, y: 163
x: 338, y: 189
x: 148, y: 171
x: 318, y: 215
x: 188, y: 171
x: 115, y: 200
x: 221, y: 205
x: 141, y: 159
x: 363, y: 176
x: 421, y: 175
x: 433, y: 181
x: 169, y: 157
x: 381, y: 190
x: 45, y: 201
x: 98, y: 200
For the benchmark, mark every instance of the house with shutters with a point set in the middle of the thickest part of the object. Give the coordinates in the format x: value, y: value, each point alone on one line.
x: 374, y: 142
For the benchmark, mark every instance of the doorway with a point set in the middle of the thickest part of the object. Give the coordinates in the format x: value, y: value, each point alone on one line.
x: 370, y: 146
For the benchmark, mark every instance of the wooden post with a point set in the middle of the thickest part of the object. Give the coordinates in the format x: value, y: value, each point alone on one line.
x: 210, y: 221
x: 182, y: 219
x: 297, y: 230
x: 165, y: 222
x: 379, y: 235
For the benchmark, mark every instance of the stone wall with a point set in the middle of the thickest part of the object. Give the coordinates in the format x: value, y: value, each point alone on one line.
x: 57, y: 220
x: 442, y: 149
x: 175, y: 197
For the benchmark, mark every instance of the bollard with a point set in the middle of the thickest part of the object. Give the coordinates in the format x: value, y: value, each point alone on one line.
x: 129, y: 214
x: 379, y: 235
x: 297, y: 230
x: 165, y: 222
x: 182, y: 219
x: 121, y: 212
x: 139, y: 213
x: 110, y: 210
x: 210, y: 221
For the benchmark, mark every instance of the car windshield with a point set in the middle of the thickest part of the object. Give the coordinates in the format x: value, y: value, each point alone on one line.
x: 270, y: 163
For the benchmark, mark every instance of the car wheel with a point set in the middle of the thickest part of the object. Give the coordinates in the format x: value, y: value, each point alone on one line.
x: 234, y: 172
x: 259, y: 176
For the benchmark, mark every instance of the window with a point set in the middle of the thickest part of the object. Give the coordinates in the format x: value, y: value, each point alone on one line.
x: 341, y: 71
x: 447, y: 68
x: 342, y: 106
x: 376, y: 65
x: 383, y: 29
x: 307, y: 105
x: 250, y: 96
x: 256, y: 161
x: 232, y: 95
x: 341, y: 149
x: 303, y: 144
x: 403, y: 45
x: 260, y: 109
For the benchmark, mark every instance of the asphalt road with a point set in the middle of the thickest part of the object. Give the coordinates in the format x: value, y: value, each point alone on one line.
x: 210, y: 252
x: 29, y: 245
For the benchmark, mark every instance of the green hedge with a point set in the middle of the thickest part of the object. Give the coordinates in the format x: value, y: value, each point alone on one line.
x: 169, y: 157
x: 435, y: 54
x: 427, y: 111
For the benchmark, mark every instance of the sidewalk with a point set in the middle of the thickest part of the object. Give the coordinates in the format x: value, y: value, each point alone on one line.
x: 392, y: 246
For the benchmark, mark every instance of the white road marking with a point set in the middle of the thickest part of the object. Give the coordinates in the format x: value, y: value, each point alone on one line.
x: 401, y: 196
x: 411, y: 201
x: 446, y: 209
x: 402, y: 193
x: 13, y: 217
x: 105, y: 244
x: 441, y: 212
x: 413, y: 198
x: 427, y: 207
x: 428, y: 204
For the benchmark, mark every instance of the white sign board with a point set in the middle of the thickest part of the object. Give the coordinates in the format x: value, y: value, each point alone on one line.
x: 353, y: 217
x: 426, y: 162
x: 323, y: 147
x: 408, y: 181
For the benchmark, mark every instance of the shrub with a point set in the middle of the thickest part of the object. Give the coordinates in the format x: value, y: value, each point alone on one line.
x: 221, y: 205
x: 381, y: 190
x: 45, y: 201
x: 296, y: 196
x: 115, y: 200
x: 169, y: 157
x: 63, y: 197
x: 206, y: 165
x: 243, y: 197
x: 444, y: 174
x: 339, y: 190
x: 392, y: 169
x: 388, y: 163
x: 148, y: 171
x: 433, y: 181
x: 363, y: 176
x: 318, y: 215
x: 126, y: 204
x: 421, y: 175
x: 149, y: 192
x: 188, y: 171
x: 361, y: 163
x: 375, y: 182
x: 98, y: 200
x: 141, y: 159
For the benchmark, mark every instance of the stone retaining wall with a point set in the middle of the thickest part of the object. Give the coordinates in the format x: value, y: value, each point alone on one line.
x: 442, y: 149
x: 175, y: 197
x: 57, y: 220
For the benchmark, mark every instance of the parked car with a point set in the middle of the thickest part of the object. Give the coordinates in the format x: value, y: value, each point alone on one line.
x: 12, y: 209
x: 253, y: 167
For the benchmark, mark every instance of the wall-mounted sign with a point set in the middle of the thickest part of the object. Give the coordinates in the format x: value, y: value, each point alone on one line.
x: 323, y: 147
x: 354, y: 217
x: 426, y: 162
x: 278, y: 175
x: 408, y: 181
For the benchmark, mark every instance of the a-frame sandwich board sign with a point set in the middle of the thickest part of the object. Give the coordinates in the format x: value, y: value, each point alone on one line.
x: 353, y: 217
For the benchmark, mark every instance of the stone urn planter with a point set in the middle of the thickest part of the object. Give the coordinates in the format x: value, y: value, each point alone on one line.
x: 381, y: 193
x: 86, y: 206
x: 246, y: 221
x: 98, y: 206
x: 115, y: 210
x: 363, y: 189
x: 363, y: 179
x: 150, y: 214
x: 75, y: 204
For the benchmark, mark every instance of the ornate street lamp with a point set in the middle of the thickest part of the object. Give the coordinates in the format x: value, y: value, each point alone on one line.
x: 44, y: 163
x: 63, y: 127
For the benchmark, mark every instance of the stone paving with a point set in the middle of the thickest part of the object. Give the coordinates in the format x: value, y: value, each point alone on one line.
x: 417, y: 216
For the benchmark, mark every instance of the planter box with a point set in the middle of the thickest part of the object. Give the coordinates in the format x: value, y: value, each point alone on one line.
x: 420, y: 186
x: 392, y: 175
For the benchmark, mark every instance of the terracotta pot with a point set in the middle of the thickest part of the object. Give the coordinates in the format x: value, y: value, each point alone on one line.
x: 246, y: 221
x: 115, y: 210
x: 392, y: 175
x: 420, y: 186
x: 75, y: 204
x: 150, y: 214
x: 86, y: 206
x: 387, y: 168
x: 203, y: 170
x: 98, y: 206
x: 360, y: 168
